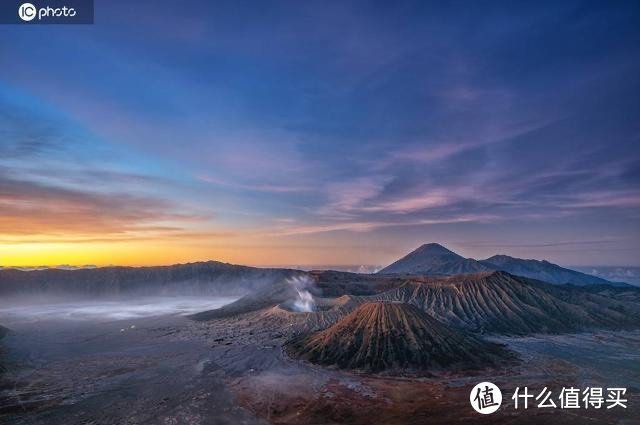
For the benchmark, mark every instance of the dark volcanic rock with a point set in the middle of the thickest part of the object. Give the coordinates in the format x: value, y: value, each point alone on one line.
x: 3, y: 332
x: 393, y: 336
x: 334, y: 283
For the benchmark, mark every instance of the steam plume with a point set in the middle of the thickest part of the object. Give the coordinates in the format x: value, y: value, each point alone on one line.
x: 305, y: 301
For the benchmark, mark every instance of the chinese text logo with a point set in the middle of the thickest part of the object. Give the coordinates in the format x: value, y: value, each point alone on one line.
x: 572, y: 398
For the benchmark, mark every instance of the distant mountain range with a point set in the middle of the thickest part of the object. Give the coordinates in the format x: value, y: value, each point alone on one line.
x: 216, y: 278
x: 202, y: 278
x: 436, y: 260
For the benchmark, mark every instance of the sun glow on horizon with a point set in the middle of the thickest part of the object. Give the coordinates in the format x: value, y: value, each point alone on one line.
x: 162, y: 253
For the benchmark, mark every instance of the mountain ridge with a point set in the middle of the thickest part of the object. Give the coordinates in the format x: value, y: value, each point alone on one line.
x: 500, y: 303
x: 200, y: 278
x: 435, y: 259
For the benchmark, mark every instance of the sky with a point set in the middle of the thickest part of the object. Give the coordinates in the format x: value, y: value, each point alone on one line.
x: 280, y: 133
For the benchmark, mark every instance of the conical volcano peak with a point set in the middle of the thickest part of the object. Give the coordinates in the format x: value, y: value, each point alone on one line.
x: 433, y: 258
x: 435, y: 249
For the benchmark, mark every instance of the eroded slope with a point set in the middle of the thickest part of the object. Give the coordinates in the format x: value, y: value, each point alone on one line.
x: 393, y: 336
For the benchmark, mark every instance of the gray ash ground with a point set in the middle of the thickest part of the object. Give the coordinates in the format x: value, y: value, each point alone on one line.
x: 95, y: 373
x: 171, y: 370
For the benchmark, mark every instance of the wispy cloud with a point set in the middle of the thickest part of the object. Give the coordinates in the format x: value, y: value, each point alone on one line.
x: 31, y: 209
x: 348, y: 198
x: 365, y: 226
